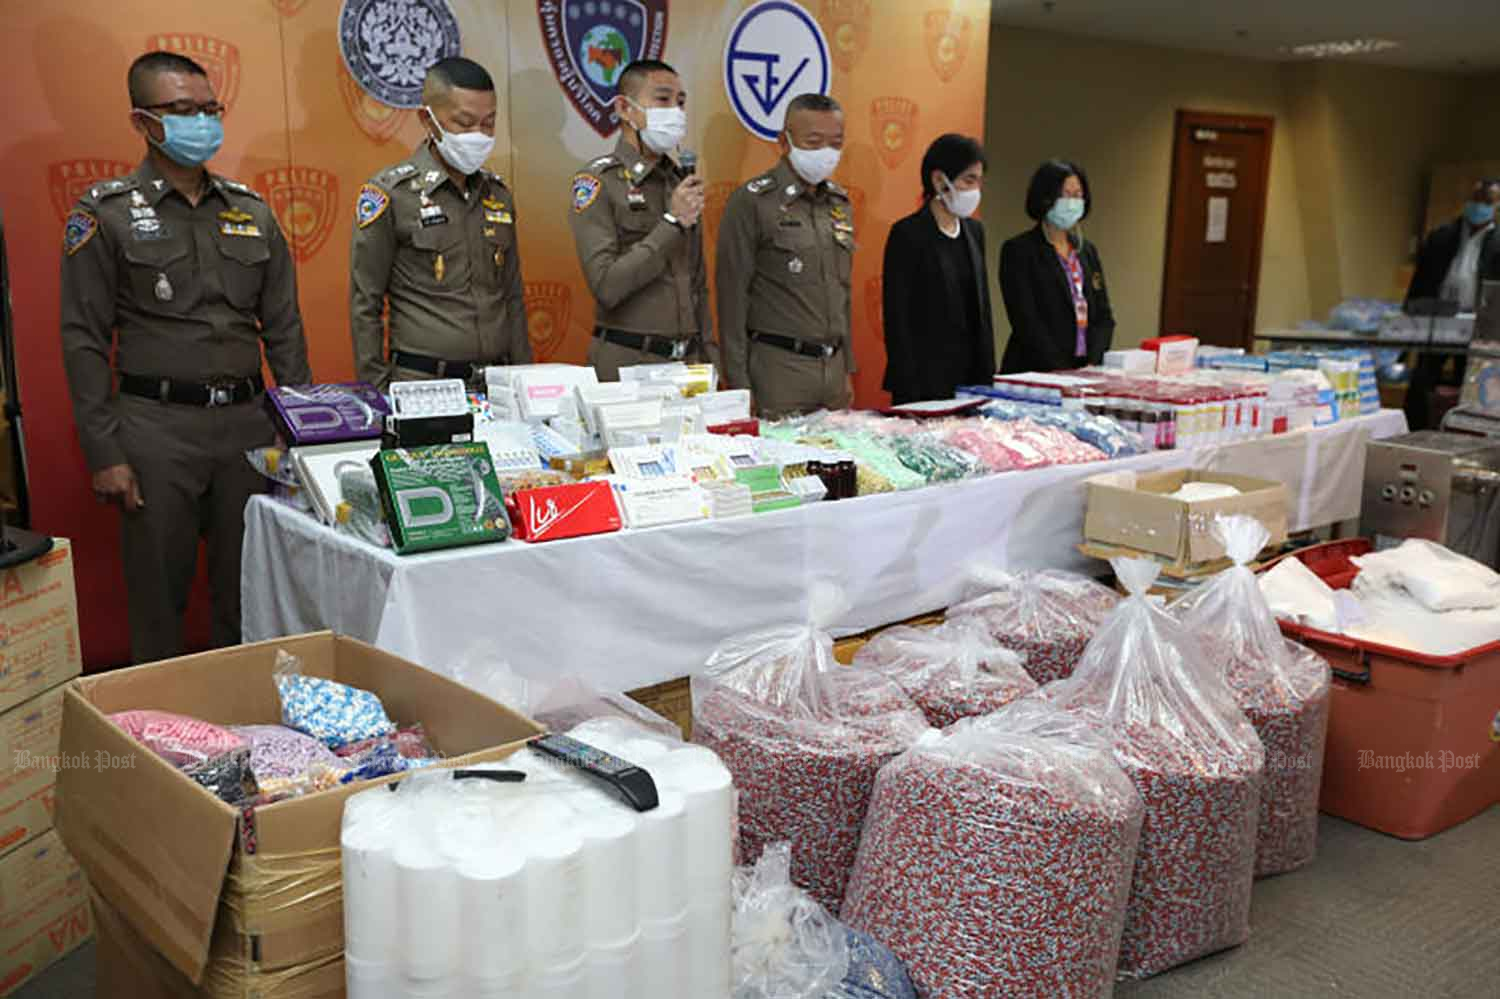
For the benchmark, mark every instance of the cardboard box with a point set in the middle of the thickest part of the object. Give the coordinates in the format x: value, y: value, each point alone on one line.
x: 30, y: 737
x: 44, y: 910
x: 210, y: 887
x: 38, y: 626
x: 1138, y: 512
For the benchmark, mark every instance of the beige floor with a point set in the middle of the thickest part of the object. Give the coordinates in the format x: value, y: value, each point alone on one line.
x: 1372, y: 918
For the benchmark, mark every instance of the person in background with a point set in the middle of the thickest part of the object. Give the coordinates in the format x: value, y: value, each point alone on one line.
x: 176, y: 282
x: 1454, y: 262
x: 786, y: 255
x: 939, y: 333
x: 635, y: 224
x: 1052, y: 281
x: 435, y: 240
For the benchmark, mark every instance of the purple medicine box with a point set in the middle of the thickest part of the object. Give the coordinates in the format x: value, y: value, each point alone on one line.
x: 327, y: 414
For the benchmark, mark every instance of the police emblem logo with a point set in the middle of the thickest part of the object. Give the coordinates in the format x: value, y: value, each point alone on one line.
x: 305, y: 200
x: 775, y: 52
x: 219, y: 59
x: 289, y: 8
x: 388, y: 45
x: 875, y: 306
x: 948, y: 36
x: 893, y: 122
x: 370, y: 205
x: 548, y: 309
x: 589, y: 42
x: 847, y: 25
x: 69, y: 180
x: 78, y: 230
x: 379, y: 121
x: 585, y: 190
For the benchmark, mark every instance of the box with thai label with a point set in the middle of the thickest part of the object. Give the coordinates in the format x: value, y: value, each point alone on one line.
x: 39, y: 622
x: 571, y: 511
x: 440, y: 496
x: 327, y: 414
x: 30, y: 734
x: 44, y: 910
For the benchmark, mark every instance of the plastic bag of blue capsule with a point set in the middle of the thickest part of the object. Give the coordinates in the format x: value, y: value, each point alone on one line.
x: 333, y: 713
x: 786, y: 946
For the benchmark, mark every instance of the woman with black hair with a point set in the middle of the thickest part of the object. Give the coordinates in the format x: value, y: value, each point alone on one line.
x: 938, y: 330
x: 1052, y: 280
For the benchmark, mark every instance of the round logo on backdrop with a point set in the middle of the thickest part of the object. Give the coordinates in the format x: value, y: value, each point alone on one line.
x: 775, y: 52
x: 388, y: 45
x: 590, y: 42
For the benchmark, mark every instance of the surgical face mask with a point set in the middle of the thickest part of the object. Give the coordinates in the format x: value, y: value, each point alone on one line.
x: 189, y: 140
x: 463, y: 151
x: 665, y: 128
x: 1479, y: 213
x: 813, y: 165
x: 960, y: 203
x: 1066, y: 213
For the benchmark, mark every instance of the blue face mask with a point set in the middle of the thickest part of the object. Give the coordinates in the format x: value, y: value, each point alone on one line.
x: 1067, y: 212
x: 191, y: 140
x: 1479, y: 213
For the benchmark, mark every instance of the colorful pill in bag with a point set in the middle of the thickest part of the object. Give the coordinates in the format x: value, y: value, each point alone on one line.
x: 332, y: 712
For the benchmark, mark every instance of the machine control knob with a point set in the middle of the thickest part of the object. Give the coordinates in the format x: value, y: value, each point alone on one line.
x: 1388, y: 492
x: 1408, y: 494
x: 1427, y: 497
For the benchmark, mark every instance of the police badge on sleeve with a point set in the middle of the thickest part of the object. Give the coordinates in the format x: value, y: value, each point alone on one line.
x: 389, y: 44
x: 590, y: 42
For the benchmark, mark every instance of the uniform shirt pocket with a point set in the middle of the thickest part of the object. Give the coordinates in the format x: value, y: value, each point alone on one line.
x: 441, y: 257
x: 161, y: 275
x: 499, y: 243
x: 244, y: 268
x: 793, y: 252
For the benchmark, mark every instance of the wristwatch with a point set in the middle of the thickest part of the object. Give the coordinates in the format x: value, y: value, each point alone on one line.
x: 674, y: 220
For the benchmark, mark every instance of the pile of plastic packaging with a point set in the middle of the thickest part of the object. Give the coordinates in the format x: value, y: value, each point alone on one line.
x: 1147, y: 682
x: 1101, y: 432
x: 787, y: 947
x: 1047, y: 617
x: 1282, y: 687
x: 952, y: 670
x: 997, y: 857
x: 804, y: 738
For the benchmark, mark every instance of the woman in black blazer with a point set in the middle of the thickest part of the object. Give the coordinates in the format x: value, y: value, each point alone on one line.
x: 1052, y: 280
x: 938, y: 330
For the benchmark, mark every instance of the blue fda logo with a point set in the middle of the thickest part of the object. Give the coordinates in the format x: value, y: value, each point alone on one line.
x: 775, y: 52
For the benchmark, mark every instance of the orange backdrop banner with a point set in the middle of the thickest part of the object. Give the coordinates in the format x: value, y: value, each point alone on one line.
x: 305, y: 132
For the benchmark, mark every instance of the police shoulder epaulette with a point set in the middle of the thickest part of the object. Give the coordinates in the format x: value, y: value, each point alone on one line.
x: 494, y: 178
x: 393, y: 175
x: 835, y: 189
x: 239, y: 188
x: 604, y: 162
x: 760, y: 185
x: 110, y: 188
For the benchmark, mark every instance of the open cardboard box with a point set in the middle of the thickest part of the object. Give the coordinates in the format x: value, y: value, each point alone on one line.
x: 1138, y: 512
x: 157, y: 847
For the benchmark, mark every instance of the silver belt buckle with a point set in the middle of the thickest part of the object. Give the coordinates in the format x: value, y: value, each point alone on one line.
x: 220, y: 395
x: 679, y: 349
x: 827, y: 350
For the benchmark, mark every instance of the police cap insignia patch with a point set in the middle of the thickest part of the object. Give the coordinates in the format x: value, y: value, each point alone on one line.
x: 78, y: 230
x: 585, y: 190
x: 370, y: 205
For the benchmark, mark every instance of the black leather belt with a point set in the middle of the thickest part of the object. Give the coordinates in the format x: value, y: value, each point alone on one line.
x: 806, y: 348
x: 469, y: 371
x: 673, y: 349
x: 210, y: 394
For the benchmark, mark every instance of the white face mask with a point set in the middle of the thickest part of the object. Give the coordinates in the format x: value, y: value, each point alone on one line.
x: 463, y: 151
x: 960, y: 203
x: 814, y: 165
x: 665, y: 128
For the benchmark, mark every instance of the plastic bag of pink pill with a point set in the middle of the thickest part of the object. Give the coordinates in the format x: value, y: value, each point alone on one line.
x: 181, y: 740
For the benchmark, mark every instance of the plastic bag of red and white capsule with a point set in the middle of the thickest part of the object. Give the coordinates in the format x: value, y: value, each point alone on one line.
x: 997, y: 857
x: 803, y: 738
x: 1198, y: 765
x: 1046, y: 617
x: 951, y: 670
x: 786, y: 946
x: 1282, y: 687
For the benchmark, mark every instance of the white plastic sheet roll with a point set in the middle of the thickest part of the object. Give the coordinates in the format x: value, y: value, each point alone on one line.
x: 368, y: 843
x: 664, y: 958
x: 368, y: 979
x: 429, y: 906
x: 612, y: 906
x: 663, y: 888
x: 708, y: 797
x: 710, y: 948
x: 554, y: 892
x: 559, y: 981
x: 615, y: 972
x: 494, y: 911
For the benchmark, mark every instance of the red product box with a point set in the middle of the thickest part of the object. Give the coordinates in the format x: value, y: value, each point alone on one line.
x: 551, y: 513
x: 739, y: 428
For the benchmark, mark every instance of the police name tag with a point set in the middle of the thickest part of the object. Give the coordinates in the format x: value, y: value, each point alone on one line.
x: 240, y: 229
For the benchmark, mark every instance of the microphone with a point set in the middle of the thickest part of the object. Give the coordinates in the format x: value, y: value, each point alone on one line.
x: 687, y: 162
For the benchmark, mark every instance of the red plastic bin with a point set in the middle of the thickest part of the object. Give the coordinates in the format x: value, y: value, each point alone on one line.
x: 1413, y: 740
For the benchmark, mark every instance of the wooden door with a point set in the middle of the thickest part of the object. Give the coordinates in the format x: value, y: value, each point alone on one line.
x: 1221, y: 168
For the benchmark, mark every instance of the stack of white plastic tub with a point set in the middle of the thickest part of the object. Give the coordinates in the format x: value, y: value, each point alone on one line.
x: 477, y: 889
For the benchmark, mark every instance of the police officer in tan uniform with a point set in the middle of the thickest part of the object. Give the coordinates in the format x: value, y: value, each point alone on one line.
x: 786, y: 248
x: 435, y: 239
x: 187, y: 278
x: 635, y: 222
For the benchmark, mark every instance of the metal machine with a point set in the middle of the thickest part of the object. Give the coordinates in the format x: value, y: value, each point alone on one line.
x: 1478, y: 409
x: 1438, y: 486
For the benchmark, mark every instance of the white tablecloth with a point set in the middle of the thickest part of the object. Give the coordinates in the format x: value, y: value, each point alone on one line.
x: 640, y: 607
